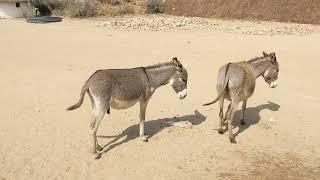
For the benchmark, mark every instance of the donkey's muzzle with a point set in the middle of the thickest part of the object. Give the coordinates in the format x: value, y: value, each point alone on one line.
x: 182, y: 94
x: 273, y: 84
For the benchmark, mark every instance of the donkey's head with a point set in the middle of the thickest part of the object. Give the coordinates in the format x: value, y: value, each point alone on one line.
x: 271, y: 73
x: 179, y: 79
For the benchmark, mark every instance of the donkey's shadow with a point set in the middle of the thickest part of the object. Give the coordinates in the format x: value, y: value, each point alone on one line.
x: 252, y: 116
x: 151, y: 128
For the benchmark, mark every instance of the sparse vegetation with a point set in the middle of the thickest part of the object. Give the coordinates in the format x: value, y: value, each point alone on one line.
x: 154, y: 6
x: 300, y: 11
x: 71, y: 8
x: 35, y: 12
x: 109, y: 9
x: 89, y: 8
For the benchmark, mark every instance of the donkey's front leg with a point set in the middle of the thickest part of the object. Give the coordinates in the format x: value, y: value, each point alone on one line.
x: 142, y: 115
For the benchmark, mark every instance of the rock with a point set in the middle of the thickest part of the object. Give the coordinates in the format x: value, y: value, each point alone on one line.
x: 180, y: 124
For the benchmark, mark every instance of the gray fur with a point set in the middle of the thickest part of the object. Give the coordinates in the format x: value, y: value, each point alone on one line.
x: 123, y: 88
x: 236, y: 83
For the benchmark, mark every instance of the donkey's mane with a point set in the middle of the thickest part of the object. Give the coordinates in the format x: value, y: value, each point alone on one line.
x: 256, y: 59
x: 159, y: 65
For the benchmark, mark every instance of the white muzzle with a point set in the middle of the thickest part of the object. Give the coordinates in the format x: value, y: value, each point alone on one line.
x: 273, y: 84
x: 182, y: 94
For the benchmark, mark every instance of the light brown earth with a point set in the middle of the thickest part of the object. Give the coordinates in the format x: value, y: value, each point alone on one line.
x: 43, y: 67
x: 301, y: 11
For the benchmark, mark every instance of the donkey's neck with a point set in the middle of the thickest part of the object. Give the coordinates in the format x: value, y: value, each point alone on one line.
x: 259, y: 65
x: 159, y: 76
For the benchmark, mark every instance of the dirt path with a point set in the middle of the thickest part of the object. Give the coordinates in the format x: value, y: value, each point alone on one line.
x: 44, y: 66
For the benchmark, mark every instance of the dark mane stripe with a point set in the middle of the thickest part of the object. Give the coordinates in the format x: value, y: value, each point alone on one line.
x: 159, y: 65
x: 256, y: 59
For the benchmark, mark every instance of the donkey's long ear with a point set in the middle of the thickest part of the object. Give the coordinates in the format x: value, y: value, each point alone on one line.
x: 177, y: 64
x: 265, y: 54
x: 273, y: 57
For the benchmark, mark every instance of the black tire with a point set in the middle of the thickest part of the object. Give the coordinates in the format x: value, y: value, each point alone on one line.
x: 43, y: 19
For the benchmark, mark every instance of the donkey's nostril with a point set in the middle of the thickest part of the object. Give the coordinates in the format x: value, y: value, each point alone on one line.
x: 273, y: 84
x: 182, y: 94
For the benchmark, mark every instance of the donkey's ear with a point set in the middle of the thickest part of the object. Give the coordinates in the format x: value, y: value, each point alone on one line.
x: 177, y: 63
x: 265, y: 54
x: 175, y: 60
x: 273, y: 57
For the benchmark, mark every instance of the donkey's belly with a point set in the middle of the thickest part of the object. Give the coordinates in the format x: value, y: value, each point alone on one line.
x: 122, y: 104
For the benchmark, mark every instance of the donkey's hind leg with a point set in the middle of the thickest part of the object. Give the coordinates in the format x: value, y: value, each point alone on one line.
x: 100, y: 107
x: 225, y: 116
x: 221, y: 122
x: 98, y: 147
x: 244, y: 105
x: 230, y: 114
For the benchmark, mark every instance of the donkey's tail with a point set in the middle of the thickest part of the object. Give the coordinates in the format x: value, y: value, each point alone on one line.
x: 78, y: 104
x: 216, y: 99
x: 221, y: 93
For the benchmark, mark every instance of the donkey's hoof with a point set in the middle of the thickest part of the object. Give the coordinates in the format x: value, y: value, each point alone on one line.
x: 99, y: 148
x: 96, y: 156
x: 220, y: 131
x: 242, y: 122
x: 233, y: 140
x: 144, y: 138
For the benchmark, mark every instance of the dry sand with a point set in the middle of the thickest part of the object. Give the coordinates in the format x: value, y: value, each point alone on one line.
x: 44, y: 66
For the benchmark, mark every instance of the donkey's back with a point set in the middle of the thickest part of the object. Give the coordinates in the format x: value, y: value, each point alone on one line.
x: 118, y: 83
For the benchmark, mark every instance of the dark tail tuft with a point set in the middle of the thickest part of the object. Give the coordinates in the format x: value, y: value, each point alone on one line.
x: 74, y: 106
x: 209, y: 103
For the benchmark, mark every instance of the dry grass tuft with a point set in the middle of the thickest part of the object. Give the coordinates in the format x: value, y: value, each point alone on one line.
x: 107, y: 9
x: 71, y: 8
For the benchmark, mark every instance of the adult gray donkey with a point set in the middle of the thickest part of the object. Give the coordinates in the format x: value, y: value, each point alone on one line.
x: 123, y: 88
x: 236, y: 82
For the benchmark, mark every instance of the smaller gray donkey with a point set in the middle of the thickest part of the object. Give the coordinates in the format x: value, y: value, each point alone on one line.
x: 236, y: 82
x: 123, y: 88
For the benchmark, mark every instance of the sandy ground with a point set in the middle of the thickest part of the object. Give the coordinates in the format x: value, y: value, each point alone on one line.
x: 44, y: 66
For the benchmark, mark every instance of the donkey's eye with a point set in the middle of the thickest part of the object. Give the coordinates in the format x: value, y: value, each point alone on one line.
x: 184, y: 80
